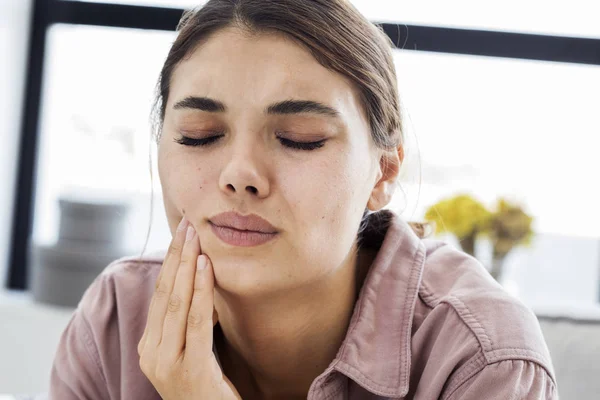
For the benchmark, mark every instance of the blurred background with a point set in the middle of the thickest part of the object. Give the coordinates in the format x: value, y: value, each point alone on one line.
x: 501, y: 101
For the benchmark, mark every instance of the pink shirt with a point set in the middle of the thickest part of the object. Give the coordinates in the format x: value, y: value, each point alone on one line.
x: 429, y: 323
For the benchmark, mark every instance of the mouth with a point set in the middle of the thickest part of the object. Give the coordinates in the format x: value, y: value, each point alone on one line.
x: 241, y: 237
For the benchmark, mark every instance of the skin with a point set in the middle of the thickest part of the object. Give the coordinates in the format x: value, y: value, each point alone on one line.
x: 284, y: 306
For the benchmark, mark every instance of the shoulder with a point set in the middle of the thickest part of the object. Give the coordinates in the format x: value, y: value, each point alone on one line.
x: 134, y: 266
x: 97, y: 357
x: 123, y: 290
x: 457, y: 295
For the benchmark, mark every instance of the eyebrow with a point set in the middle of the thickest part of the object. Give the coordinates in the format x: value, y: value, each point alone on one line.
x: 285, y: 107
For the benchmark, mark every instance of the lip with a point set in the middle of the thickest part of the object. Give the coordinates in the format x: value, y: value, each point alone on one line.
x: 239, y: 230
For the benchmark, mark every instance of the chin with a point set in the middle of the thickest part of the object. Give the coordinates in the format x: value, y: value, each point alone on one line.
x: 240, y: 275
x: 245, y: 276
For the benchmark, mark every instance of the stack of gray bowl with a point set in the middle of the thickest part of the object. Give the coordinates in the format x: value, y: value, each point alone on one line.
x: 90, y: 237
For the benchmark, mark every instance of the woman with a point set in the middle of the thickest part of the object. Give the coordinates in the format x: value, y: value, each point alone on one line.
x: 279, y: 143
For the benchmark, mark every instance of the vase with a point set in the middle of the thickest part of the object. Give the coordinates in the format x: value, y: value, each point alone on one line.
x: 467, y: 244
x: 497, y: 267
x: 90, y: 237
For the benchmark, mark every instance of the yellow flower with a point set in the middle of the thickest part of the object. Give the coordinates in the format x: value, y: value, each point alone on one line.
x: 509, y: 226
x: 461, y: 215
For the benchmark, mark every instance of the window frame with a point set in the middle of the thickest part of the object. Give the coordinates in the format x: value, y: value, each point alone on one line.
x: 488, y: 43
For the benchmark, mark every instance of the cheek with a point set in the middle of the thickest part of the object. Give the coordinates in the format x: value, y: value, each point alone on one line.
x: 184, y: 181
x: 341, y: 190
x: 189, y: 191
x: 328, y: 203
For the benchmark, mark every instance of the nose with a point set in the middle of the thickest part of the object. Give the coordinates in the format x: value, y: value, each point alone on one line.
x: 244, y: 175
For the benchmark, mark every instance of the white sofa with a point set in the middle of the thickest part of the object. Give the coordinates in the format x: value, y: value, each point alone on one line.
x: 575, y: 349
x: 574, y: 344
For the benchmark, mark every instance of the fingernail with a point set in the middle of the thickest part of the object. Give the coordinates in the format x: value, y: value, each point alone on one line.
x: 190, y: 233
x: 201, y: 264
x: 182, y: 224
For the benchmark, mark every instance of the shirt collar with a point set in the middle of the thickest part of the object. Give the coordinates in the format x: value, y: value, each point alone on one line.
x: 376, y: 352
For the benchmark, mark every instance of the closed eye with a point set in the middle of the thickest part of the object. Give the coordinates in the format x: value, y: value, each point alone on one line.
x: 188, y: 141
x: 308, y: 146
x: 302, y: 145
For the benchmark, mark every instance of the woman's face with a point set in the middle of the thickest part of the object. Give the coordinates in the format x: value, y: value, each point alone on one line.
x: 314, y: 198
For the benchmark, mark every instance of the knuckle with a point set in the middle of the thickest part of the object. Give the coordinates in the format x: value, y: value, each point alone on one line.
x: 174, y: 303
x: 161, y: 290
x: 186, y: 258
x: 195, y: 320
x: 145, y: 366
x: 158, y: 280
x: 174, y: 250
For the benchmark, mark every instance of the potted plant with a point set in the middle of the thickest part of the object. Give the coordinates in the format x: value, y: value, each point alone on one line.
x: 468, y: 219
x: 461, y: 215
x: 508, y: 228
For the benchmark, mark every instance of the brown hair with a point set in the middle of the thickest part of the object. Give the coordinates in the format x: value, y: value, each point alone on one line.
x: 338, y: 36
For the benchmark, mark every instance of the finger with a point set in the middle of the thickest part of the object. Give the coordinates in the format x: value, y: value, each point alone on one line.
x: 199, y: 333
x: 142, y: 341
x: 182, y: 225
x: 174, y: 247
x: 164, y: 287
x: 173, y: 339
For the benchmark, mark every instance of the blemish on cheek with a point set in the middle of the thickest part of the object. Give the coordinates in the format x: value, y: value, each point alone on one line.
x: 183, y: 211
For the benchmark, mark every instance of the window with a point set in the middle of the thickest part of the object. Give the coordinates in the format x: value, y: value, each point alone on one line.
x: 488, y: 125
x: 95, y: 122
x: 523, y: 129
x: 155, y: 3
x: 575, y: 18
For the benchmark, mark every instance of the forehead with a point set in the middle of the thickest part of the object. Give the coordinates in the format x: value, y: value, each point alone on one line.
x: 240, y: 69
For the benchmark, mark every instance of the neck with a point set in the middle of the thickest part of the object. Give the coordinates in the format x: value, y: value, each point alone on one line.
x: 273, y: 348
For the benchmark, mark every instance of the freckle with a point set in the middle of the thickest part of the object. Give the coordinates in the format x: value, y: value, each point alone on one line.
x: 183, y: 211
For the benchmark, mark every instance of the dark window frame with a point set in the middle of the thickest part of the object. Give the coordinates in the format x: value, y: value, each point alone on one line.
x: 406, y: 37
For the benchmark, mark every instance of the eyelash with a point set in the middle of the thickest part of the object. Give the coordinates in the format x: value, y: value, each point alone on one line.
x: 307, y: 146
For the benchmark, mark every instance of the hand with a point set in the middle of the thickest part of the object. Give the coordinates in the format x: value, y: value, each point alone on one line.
x: 176, y: 347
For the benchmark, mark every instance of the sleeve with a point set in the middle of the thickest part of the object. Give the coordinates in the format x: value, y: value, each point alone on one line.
x: 76, y: 371
x: 506, y: 380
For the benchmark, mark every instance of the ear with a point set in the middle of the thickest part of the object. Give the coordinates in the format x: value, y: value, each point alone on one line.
x: 389, y: 168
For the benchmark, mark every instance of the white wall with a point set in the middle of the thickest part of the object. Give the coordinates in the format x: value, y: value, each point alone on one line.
x: 14, y: 30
